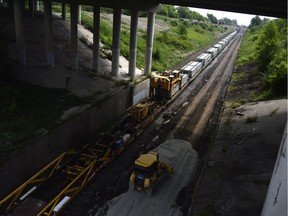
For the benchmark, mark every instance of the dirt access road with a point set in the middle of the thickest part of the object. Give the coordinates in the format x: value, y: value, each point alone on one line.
x: 192, y: 116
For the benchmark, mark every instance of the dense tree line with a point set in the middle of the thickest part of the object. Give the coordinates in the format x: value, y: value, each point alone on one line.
x: 186, y: 13
x: 180, y: 12
x: 271, y: 53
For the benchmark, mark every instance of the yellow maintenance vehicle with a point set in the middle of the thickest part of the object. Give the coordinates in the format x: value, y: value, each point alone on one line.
x: 166, y: 84
x: 141, y: 110
x: 148, y: 173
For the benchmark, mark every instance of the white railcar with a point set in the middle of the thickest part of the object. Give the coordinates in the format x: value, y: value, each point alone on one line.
x: 204, y: 58
x: 192, y: 68
x: 213, y: 51
x: 218, y: 46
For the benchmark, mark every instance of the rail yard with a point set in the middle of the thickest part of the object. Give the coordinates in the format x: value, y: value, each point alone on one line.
x: 201, y: 84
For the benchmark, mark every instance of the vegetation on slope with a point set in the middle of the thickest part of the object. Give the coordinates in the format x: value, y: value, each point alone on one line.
x: 170, y: 46
x: 26, y: 108
x: 188, y: 32
x: 262, y: 61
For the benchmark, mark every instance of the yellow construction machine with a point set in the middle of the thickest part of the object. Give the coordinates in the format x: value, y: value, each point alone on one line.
x: 165, y: 85
x: 148, y: 173
x: 141, y: 110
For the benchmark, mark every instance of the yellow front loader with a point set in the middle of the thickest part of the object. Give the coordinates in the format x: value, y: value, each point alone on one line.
x: 148, y: 173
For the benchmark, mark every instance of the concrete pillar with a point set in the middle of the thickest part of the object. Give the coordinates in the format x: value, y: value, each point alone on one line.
x: 74, y: 36
x: 96, y: 37
x: 149, y: 43
x: 48, y: 33
x: 133, y: 43
x: 116, y: 41
x: 11, y: 9
x: 31, y: 8
x: 276, y: 198
x: 19, y: 31
x: 36, y: 5
x: 63, y: 11
x: 79, y: 14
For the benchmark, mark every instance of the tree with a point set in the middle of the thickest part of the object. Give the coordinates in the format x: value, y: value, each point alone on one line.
x: 277, y: 74
x: 282, y: 29
x: 255, y: 21
x: 164, y: 10
x: 265, y: 20
x: 172, y: 12
x: 227, y: 21
x: 267, y: 46
x: 212, y: 18
x: 182, y: 29
x: 184, y: 12
x: 197, y: 16
x: 169, y: 11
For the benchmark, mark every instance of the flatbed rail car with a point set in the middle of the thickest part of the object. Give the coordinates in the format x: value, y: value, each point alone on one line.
x: 57, y: 183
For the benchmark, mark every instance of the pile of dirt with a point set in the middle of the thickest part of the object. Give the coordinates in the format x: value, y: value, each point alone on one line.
x: 181, y: 156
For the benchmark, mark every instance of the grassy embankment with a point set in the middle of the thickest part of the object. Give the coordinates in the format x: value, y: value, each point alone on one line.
x: 249, y: 81
x: 170, y: 46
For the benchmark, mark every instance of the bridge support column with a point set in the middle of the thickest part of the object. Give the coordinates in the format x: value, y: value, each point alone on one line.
x: 79, y: 14
x: 11, y: 10
x: 96, y: 37
x: 48, y: 33
x: 19, y: 31
x: 31, y: 8
x: 149, y: 43
x: 63, y: 11
x: 116, y: 41
x: 133, y: 43
x: 36, y: 5
x: 74, y: 36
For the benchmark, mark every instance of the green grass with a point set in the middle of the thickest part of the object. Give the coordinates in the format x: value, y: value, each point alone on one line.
x: 170, y: 46
x: 246, y: 53
x: 274, y: 111
x: 238, y: 76
x: 26, y: 108
x: 235, y: 104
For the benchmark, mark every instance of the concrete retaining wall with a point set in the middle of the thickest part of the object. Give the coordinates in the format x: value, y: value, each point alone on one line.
x: 141, y: 91
x: 276, y: 199
x: 21, y: 164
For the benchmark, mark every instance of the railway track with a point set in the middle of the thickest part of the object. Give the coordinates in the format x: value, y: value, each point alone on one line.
x: 80, y: 167
x: 207, y: 97
x: 105, y: 186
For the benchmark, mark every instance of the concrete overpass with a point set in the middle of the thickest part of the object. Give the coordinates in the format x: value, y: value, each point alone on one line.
x: 276, y: 8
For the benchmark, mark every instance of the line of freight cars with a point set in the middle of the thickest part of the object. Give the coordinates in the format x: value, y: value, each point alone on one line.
x: 167, y: 84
